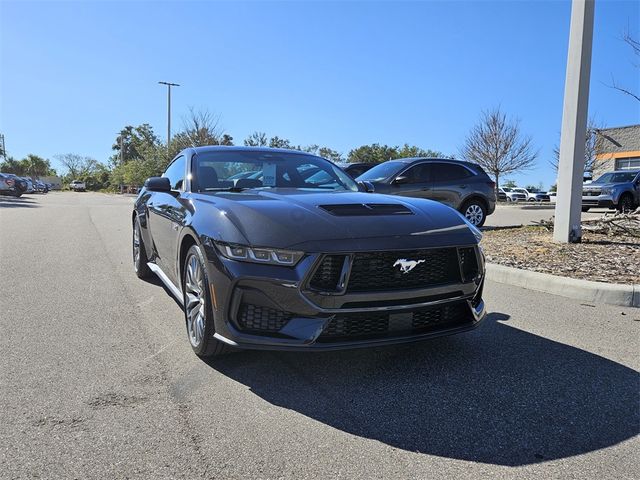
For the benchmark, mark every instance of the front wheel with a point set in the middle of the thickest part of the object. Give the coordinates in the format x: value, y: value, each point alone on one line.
x: 475, y: 212
x: 625, y: 204
x: 198, y: 312
x: 140, y: 259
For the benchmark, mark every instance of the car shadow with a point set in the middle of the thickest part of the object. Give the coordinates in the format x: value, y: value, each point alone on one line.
x: 497, y: 395
x: 13, y: 202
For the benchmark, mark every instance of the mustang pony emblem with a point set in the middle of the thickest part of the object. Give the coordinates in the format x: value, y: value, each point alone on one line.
x: 407, y: 265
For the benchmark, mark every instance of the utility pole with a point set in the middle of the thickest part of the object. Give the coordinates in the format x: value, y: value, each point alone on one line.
x: 3, y: 151
x: 574, y: 124
x: 169, y: 85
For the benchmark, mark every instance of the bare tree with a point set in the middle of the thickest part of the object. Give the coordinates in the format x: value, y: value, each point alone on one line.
x: 589, y: 148
x: 77, y: 165
x: 202, y: 128
x: 496, y: 144
x: 635, y: 48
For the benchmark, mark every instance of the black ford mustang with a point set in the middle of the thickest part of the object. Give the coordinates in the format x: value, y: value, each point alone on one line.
x: 279, y: 249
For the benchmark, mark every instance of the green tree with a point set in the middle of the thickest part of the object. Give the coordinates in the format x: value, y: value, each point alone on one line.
x: 411, y: 151
x: 374, y: 153
x: 11, y: 165
x: 135, y: 143
x: 509, y: 184
x: 256, y: 139
x: 277, y: 142
x: 35, y: 166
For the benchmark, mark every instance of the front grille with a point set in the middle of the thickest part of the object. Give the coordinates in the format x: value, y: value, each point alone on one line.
x: 258, y: 319
x: 327, y: 274
x: 469, y: 263
x: 367, y: 325
x: 381, y: 271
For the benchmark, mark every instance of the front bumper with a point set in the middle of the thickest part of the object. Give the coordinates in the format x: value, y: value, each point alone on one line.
x: 313, y: 320
x: 601, y: 201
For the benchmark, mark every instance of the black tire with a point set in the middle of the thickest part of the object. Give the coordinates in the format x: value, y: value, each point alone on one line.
x: 140, y: 260
x: 206, y: 345
x: 17, y: 194
x: 471, y: 208
x: 625, y: 204
x: 585, y: 209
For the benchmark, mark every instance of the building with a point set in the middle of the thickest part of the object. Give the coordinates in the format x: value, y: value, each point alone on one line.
x: 56, y: 182
x: 617, y: 149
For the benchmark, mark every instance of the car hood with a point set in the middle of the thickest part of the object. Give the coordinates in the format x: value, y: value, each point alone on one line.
x: 297, y: 219
x: 600, y: 186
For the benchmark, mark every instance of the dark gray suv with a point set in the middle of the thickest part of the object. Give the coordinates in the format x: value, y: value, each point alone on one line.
x: 461, y: 185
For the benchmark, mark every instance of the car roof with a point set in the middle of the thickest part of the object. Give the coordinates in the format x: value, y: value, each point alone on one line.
x: 234, y: 148
x: 433, y: 159
x: 625, y: 171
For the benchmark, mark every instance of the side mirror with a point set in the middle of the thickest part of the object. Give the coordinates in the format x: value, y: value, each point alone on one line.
x: 366, y: 187
x: 400, y: 180
x: 157, y: 184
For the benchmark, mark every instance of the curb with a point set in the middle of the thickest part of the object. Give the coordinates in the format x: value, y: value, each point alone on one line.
x: 595, y: 292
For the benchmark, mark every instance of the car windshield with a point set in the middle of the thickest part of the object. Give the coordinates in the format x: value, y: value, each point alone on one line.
x: 616, y: 177
x: 382, y: 171
x: 232, y: 170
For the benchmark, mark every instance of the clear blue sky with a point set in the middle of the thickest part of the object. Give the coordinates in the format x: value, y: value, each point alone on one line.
x: 336, y: 74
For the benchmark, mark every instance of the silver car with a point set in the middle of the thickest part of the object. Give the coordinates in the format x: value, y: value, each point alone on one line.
x: 619, y: 190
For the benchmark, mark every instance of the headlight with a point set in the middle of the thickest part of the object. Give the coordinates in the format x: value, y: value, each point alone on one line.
x: 606, y: 191
x: 269, y: 256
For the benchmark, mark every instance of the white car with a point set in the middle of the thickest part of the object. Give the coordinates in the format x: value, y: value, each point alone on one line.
x: 78, y: 186
x: 533, y: 196
x: 512, y: 196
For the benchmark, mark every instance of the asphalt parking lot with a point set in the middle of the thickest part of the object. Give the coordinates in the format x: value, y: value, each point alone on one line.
x: 510, y: 215
x: 98, y: 379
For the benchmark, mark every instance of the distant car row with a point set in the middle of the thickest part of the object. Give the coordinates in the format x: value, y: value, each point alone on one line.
x: 518, y: 194
x: 15, y: 186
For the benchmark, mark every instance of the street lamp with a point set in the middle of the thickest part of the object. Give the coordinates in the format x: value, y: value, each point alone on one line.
x: 169, y: 85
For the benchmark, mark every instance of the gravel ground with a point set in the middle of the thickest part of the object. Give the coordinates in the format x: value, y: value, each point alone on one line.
x: 601, y: 258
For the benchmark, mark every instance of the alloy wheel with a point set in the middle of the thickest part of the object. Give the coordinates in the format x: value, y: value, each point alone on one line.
x: 195, y: 300
x: 474, y: 214
x: 136, y: 246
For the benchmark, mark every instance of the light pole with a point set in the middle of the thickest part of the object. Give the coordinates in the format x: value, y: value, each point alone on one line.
x: 169, y: 85
x: 574, y: 124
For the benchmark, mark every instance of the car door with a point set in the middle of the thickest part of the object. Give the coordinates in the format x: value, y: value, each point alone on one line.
x: 415, y: 182
x: 166, y: 217
x: 451, y: 183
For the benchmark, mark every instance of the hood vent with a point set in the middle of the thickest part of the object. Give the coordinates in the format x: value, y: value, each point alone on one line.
x: 366, y: 209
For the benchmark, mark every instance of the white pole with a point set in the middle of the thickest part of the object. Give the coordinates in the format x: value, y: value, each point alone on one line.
x: 574, y: 124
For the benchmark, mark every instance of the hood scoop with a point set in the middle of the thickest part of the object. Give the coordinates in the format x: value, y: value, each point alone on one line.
x: 366, y: 209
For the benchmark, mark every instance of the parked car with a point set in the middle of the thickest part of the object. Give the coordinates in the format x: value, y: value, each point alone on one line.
x: 286, y: 262
x: 532, y: 195
x: 40, y: 187
x: 8, y: 186
x: 16, y: 186
x: 356, y: 169
x: 29, y: 184
x: 619, y: 190
x: 511, y: 196
x: 77, y: 186
x: 461, y: 185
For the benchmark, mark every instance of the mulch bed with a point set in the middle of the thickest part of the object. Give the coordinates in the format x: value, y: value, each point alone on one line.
x: 599, y: 258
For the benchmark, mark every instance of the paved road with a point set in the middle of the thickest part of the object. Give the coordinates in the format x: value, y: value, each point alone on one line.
x: 98, y: 380
x: 508, y: 215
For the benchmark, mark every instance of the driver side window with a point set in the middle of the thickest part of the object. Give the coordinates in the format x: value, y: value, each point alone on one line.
x: 420, y: 173
x: 175, y: 173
